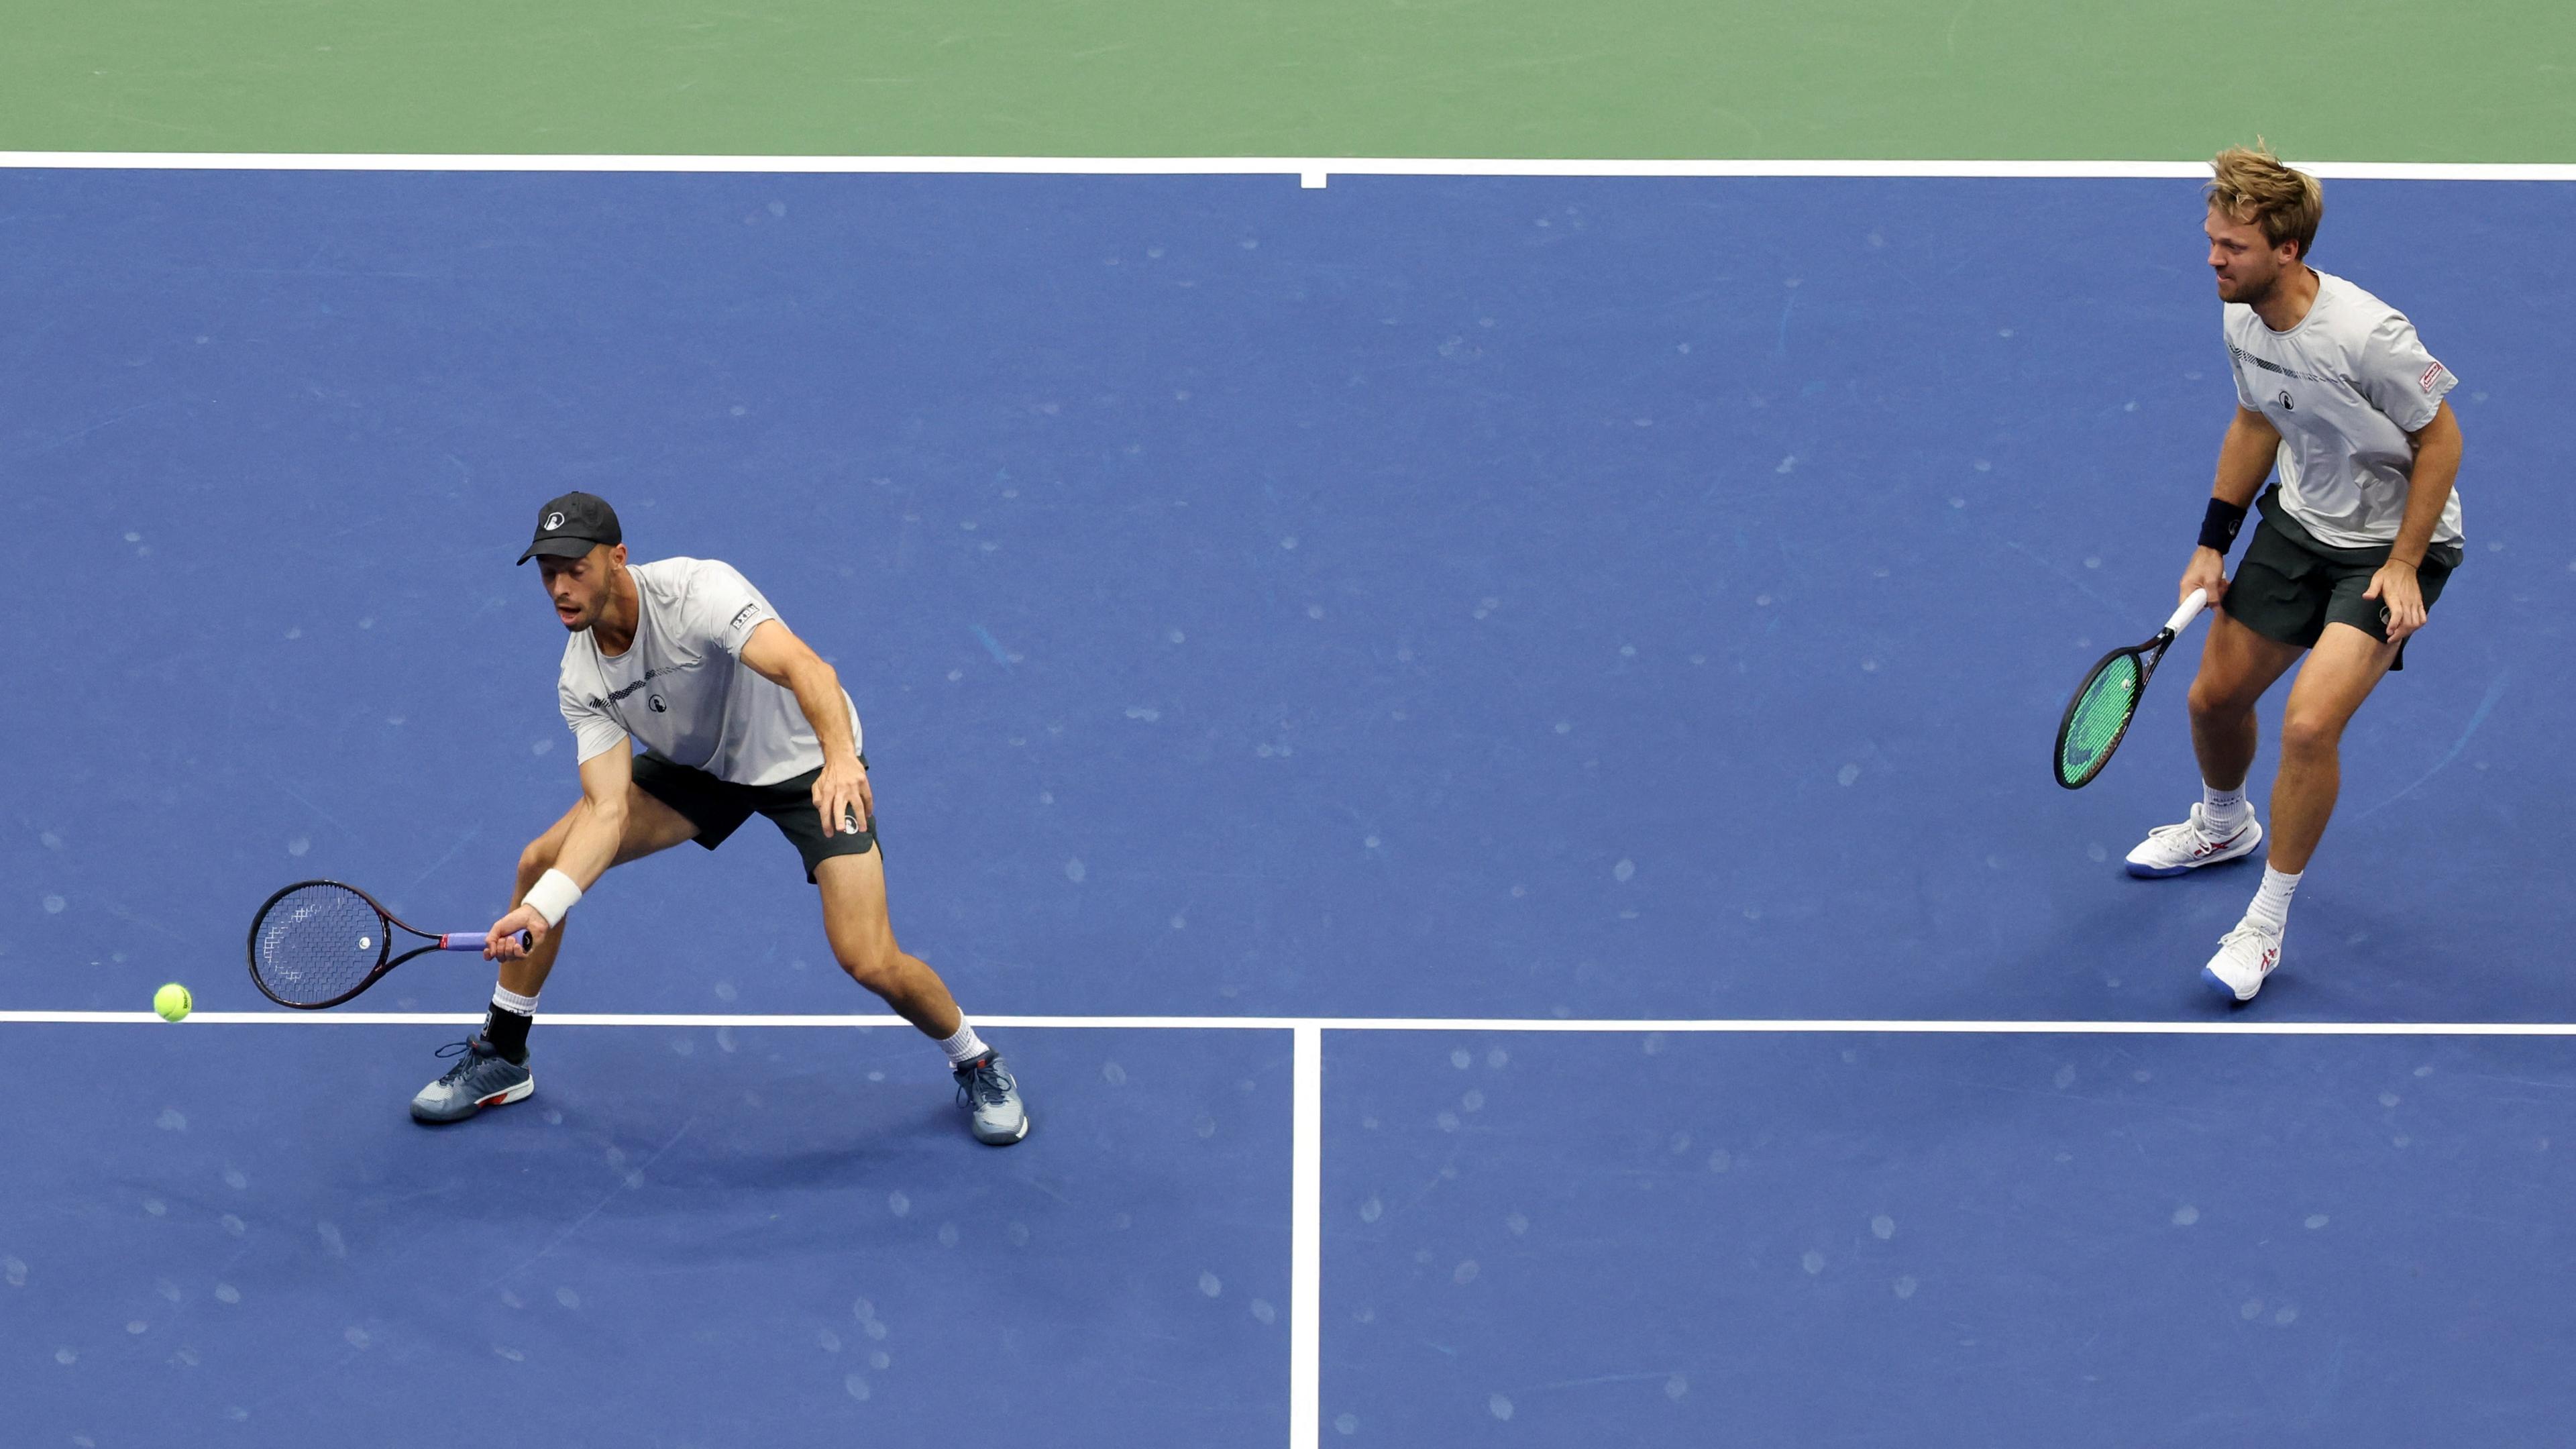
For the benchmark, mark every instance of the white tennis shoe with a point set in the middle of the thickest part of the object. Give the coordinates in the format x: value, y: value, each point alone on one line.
x: 2245, y: 956
x: 2170, y: 850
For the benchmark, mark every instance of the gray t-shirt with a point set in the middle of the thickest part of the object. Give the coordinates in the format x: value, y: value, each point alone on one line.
x: 681, y: 689
x: 2344, y: 388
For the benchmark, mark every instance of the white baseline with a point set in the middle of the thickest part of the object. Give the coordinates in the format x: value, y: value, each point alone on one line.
x: 1749, y: 1026
x: 1310, y: 171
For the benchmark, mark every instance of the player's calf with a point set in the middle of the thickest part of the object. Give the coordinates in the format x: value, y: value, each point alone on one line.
x: 985, y: 1087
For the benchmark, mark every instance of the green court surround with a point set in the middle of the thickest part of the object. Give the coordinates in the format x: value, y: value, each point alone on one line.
x: 2355, y: 80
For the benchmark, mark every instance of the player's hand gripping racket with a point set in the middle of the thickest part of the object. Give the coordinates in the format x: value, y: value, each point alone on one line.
x: 317, y: 943
x: 2108, y: 699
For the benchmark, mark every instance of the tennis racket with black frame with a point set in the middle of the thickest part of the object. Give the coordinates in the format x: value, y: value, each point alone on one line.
x: 2097, y: 718
x: 318, y: 943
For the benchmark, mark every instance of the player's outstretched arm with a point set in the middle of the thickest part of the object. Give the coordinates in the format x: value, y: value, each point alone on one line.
x: 841, y: 793
x: 2244, y: 461
x: 589, y: 848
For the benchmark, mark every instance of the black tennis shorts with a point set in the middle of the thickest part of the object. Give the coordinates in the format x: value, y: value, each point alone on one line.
x: 2289, y: 587
x: 716, y: 807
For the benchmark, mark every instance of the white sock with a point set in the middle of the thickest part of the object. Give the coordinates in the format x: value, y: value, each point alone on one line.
x: 2272, y: 902
x: 2223, y: 810
x: 965, y: 1046
x: 508, y: 1000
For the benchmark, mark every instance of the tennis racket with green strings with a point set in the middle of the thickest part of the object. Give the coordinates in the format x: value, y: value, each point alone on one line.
x: 2099, y: 715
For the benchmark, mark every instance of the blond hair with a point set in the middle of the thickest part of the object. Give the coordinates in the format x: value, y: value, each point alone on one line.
x: 2250, y: 186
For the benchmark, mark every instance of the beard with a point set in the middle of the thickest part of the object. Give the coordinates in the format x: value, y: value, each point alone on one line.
x: 2249, y: 292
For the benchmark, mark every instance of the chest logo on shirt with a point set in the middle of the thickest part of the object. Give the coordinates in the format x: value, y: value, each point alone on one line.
x: 654, y: 702
x: 2287, y: 406
x: 649, y: 675
x: 2268, y: 365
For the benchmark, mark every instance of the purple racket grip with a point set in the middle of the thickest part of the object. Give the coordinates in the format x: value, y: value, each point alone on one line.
x: 473, y: 940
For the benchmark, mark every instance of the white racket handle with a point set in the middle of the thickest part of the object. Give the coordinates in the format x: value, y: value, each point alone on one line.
x: 2189, y: 611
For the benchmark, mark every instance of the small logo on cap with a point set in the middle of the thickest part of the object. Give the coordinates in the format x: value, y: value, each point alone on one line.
x: 554, y: 521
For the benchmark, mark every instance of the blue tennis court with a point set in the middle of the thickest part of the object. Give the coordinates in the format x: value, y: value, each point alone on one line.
x: 1346, y: 638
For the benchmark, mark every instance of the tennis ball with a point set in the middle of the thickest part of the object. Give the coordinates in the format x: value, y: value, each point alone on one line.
x: 173, y: 1002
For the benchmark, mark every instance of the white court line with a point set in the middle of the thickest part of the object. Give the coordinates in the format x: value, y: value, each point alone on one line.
x: 1306, y: 1129
x: 1752, y: 1026
x: 1306, y: 1244
x: 1311, y: 171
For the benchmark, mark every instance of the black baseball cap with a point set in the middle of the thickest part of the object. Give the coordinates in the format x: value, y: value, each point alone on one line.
x: 570, y: 526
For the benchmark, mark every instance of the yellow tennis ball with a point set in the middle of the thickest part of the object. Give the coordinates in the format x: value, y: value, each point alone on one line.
x: 173, y: 1002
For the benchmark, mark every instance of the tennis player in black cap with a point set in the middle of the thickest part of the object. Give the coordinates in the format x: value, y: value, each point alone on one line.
x: 736, y: 716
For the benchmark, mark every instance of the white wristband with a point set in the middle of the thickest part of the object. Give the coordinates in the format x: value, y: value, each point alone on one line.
x: 553, y: 897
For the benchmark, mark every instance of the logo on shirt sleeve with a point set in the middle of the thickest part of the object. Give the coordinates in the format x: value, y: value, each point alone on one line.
x: 2431, y: 376
x: 745, y: 612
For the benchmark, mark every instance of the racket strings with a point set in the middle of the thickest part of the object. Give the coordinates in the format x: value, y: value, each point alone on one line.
x: 318, y: 942
x: 2101, y: 713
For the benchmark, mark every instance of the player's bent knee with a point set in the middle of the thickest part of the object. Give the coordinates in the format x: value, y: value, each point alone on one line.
x: 877, y: 968
x: 538, y: 858
x: 2212, y: 699
x: 2307, y: 733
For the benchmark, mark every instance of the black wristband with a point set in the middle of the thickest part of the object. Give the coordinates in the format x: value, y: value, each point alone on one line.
x: 2218, y: 526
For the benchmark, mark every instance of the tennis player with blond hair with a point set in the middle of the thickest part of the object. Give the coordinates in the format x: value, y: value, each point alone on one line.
x: 2358, y: 536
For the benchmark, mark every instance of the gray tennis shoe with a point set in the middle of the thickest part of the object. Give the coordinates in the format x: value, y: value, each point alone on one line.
x: 987, y: 1089
x: 481, y: 1078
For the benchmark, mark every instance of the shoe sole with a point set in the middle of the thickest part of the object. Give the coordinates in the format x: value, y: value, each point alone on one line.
x: 2168, y: 872
x: 2223, y: 989
x: 519, y: 1093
